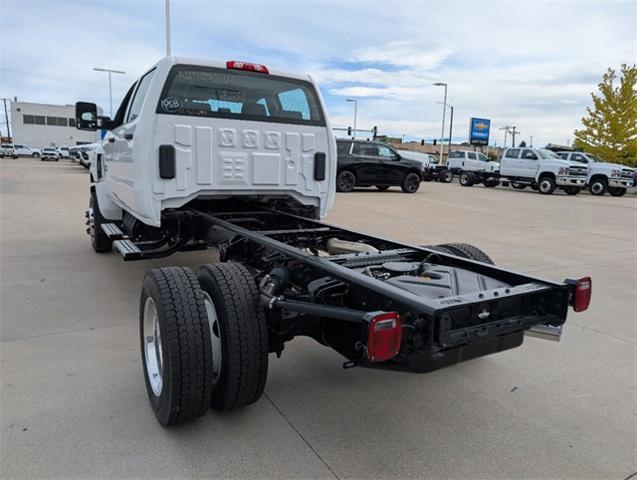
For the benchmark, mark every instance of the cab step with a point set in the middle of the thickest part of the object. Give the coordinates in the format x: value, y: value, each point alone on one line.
x: 127, y: 249
x: 112, y: 231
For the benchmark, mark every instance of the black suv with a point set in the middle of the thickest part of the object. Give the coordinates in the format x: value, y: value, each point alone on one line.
x: 365, y: 164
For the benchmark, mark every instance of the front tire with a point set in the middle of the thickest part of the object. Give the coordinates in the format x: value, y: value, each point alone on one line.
x: 345, y: 181
x: 467, y: 179
x: 446, y: 176
x: 616, y: 191
x: 99, y: 241
x: 411, y: 183
x: 547, y: 185
x: 175, y: 345
x: 239, y: 324
x: 598, y: 187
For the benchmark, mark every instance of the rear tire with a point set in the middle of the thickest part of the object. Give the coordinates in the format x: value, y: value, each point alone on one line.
x: 99, y: 241
x: 446, y: 176
x: 175, y: 345
x: 491, y: 182
x: 345, y: 181
x: 411, y: 183
x: 598, y: 187
x: 467, y: 179
x: 547, y: 185
x: 243, y: 333
x: 518, y: 186
x: 463, y: 250
x: 616, y: 191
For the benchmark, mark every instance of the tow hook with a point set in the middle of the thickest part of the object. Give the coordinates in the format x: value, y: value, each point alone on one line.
x: 545, y: 332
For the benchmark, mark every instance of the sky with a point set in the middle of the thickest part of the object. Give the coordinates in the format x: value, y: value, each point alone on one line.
x: 528, y: 64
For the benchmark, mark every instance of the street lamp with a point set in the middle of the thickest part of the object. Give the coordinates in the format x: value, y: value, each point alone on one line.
x: 355, y: 111
x: 450, y: 126
x: 444, y: 111
x: 110, y: 87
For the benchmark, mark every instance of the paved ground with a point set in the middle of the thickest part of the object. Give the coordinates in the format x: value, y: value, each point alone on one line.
x: 73, y: 402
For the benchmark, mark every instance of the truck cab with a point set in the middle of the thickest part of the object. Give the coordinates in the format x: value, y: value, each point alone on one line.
x: 542, y: 169
x: 602, y: 176
x: 469, y: 161
x: 191, y: 130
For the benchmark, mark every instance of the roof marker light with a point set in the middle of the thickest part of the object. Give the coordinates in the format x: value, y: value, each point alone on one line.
x: 249, y: 67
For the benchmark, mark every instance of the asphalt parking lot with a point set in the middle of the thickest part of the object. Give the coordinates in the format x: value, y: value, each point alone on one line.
x: 73, y: 401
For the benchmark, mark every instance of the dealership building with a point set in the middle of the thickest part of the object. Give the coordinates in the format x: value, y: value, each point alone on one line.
x: 43, y: 125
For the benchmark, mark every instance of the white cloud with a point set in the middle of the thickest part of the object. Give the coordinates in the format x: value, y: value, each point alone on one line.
x: 528, y: 64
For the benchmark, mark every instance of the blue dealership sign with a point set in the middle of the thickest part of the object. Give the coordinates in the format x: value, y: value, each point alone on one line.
x: 479, y: 131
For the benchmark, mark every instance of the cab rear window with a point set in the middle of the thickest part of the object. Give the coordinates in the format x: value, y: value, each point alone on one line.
x: 241, y: 95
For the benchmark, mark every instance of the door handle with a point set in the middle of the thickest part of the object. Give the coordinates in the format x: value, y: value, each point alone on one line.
x: 128, y: 136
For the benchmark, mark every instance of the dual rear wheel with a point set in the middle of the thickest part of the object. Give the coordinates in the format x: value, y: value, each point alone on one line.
x: 204, y: 340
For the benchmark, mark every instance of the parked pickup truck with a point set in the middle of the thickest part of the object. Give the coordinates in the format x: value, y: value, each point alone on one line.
x: 241, y: 158
x: 603, y: 177
x: 461, y: 161
x: 537, y: 168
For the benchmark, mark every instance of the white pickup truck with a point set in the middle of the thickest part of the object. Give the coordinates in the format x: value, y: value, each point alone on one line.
x: 461, y: 161
x: 603, y: 177
x: 538, y: 168
x: 240, y: 158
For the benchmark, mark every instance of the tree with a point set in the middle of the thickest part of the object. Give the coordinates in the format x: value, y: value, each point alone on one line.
x: 610, y: 126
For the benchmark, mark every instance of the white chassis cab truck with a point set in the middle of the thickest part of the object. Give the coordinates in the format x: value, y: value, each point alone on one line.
x: 239, y: 158
x: 603, y: 177
x: 539, y: 168
x: 466, y: 163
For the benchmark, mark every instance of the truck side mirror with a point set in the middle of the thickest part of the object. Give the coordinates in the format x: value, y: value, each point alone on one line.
x: 86, y: 116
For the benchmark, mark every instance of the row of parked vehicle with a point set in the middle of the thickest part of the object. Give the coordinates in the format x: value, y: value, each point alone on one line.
x: 368, y: 163
x: 541, y: 169
x: 15, y: 150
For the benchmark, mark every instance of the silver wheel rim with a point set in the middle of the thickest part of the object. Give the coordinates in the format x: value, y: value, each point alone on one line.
x: 215, y: 336
x: 596, y: 187
x: 152, y: 347
x: 545, y: 186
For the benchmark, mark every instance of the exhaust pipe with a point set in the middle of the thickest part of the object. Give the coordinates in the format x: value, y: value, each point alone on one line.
x: 545, y: 332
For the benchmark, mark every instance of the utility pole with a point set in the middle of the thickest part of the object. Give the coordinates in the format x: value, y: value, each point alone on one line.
x: 531, y: 141
x: 168, y: 28
x: 110, y: 86
x: 506, y: 131
x: 444, y: 111
x: 6, y: 117
x: 513, y: 134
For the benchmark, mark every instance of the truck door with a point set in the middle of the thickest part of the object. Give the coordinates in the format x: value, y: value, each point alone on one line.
x: 528, y: 163
x: 511, y: 163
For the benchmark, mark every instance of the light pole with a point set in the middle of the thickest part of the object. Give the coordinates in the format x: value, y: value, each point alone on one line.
x: 450, y: 125
x: 444, y: 111
x: 168, y: 28
x: 110, y: 86
x: 355, y: 113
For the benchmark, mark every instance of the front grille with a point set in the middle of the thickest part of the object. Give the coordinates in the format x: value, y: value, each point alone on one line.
x: 629, y: 174
x: 577, y: 171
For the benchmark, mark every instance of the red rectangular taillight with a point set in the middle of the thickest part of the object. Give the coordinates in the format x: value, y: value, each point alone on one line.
x: 582, y: 294
x: 250, y: 67
x: 384, y: 334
